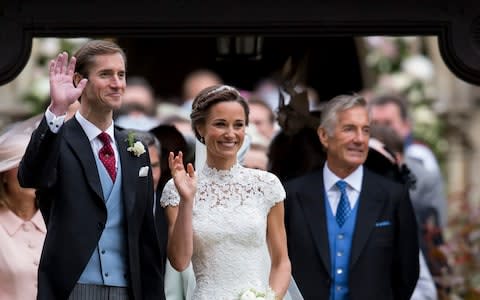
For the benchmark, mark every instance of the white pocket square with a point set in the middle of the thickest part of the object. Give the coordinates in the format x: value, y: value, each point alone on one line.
x: 143, y: 171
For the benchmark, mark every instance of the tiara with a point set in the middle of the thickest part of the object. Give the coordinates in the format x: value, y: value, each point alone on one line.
x: 220, y: 89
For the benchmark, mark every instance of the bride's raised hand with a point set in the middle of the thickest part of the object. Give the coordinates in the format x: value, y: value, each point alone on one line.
x: 185, y: 180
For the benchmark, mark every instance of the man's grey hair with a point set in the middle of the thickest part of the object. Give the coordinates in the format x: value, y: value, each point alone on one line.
x: 338, y: 104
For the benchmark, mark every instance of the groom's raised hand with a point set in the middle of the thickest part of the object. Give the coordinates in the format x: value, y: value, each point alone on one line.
x: 62, y: 90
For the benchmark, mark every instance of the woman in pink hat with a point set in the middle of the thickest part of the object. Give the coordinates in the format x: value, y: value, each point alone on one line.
x: 22, y: 228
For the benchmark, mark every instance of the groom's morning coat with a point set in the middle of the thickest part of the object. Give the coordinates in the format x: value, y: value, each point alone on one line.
x: 62, y: 168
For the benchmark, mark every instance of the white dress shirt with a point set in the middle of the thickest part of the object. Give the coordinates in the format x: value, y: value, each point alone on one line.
x: 354, y: 187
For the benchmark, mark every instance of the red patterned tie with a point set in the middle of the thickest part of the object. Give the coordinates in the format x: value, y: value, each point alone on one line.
x: 107, y: 156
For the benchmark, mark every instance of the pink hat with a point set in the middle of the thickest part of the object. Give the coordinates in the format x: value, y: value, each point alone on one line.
x: 14, y: 141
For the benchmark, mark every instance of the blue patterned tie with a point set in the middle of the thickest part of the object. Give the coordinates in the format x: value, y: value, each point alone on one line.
x: 343, y: 209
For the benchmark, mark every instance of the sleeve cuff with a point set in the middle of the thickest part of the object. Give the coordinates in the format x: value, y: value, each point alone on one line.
x: 54, y: 122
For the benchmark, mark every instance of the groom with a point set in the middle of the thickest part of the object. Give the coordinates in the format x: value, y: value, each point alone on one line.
x: 94, y: 191
x: 351, y: 234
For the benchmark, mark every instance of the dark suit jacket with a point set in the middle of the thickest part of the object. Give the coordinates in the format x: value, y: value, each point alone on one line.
x: 383, y: 261
x: 62, y: 168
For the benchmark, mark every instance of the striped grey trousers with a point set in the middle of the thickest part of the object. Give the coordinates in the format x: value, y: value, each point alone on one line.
x: 98, y: 292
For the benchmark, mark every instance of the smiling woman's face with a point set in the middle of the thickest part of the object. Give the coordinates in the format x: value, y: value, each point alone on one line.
x: 224, y: 132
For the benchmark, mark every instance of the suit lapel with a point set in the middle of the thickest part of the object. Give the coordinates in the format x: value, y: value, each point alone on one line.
x: 313, y: 205
x: 80, y: 145
x: 129, y: 171
x: 369, y: 205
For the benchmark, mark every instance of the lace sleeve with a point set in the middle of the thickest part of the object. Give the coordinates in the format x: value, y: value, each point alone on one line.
x: 274, y: 191
x: 170, y: 195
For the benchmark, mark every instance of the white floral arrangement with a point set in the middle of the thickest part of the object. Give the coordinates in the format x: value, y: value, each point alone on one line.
x: 135, y: 147
x: 253, y: 294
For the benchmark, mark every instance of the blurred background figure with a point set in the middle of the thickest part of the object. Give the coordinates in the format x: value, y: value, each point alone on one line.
x: 313, y: 99
x: 297, y: 142
x: 138, y: 107
x: 181, y: 120
x: 178, y: 285
x: 262, y: 116
x: 171, y: 140
x: 302, y: 150
x: 425, y: 288
x: 268, y: 90
x: 140, y: 96
x: 196, y: 81
x: 256, y: 155
x: 392, y: 111
x: 154, y: 151
x: 387, y: 144
x: 22, y: 228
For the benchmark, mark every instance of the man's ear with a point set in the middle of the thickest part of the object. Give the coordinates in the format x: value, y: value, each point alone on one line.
x: 323, y: 136
x: 76, y: 79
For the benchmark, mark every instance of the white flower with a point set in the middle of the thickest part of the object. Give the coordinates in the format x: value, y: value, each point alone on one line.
x: 424, y: 115
x: 137, y: 149
x: 253, y: 294
x: 248, y: 295
x: 400, y: 81
x: 394, y: 82
x: 415, y: 96
x: 418, y: 66
x: 270, y: 294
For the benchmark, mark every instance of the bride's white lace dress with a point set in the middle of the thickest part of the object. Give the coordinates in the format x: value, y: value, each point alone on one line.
x: 230, y: 253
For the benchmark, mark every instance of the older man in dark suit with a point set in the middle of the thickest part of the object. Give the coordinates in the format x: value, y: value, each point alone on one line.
x: 352, y: 234
x: 94, y: 186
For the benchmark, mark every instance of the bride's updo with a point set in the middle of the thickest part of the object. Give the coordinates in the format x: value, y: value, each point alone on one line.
x: 210, y: 96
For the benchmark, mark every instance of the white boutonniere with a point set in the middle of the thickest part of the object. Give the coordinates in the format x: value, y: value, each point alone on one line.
x: 253, y: 294
x: 135, y: 147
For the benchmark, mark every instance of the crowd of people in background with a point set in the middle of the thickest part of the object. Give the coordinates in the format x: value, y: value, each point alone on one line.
x: 165, y: 128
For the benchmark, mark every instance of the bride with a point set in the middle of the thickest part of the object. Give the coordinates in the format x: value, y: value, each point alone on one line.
x: 226, y: 219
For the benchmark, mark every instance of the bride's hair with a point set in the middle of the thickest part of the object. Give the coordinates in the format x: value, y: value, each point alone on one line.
x: 209, y: 97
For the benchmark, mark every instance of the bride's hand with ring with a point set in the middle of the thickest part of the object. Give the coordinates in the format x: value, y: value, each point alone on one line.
x: 185, y: 180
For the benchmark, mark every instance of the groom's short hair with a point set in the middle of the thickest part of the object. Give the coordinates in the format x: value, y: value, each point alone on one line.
x: 86, y: 54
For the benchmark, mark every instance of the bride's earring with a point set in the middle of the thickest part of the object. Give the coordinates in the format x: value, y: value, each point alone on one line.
x: 202, y: 140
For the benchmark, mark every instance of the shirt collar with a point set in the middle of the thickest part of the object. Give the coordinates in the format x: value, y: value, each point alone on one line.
x: 38, y: 221
x: 12, y: 222
x: 90, y: 129
x: 354, y: 180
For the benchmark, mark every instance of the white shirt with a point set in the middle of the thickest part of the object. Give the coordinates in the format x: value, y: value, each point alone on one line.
x: 56, y: 122
x: 354, y: 187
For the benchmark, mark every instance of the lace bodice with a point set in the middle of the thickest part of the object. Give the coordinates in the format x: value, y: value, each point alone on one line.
x: 230, y: 253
